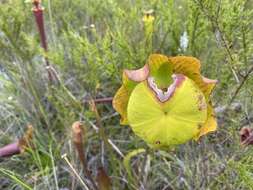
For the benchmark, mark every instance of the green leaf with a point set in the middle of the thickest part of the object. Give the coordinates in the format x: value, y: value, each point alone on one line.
x: 161, y: 69
x: 127, y: 160
x: 11, y: 175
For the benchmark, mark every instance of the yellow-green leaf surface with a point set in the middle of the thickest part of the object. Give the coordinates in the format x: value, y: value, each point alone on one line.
x: 121, y: 98
x: 161, y: 69
x: 130, y: 79
x: 164, y: 124
x: 190, y: 67
x: 210, y: 125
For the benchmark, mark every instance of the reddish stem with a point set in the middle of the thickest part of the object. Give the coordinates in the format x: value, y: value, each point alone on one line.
x: 10, y: 150
x: 18, y: 146
x: 100, y: 100
x: 38, y: 14
x: 103, y: 100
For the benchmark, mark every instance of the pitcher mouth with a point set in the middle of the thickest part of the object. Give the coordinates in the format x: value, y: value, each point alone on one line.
x: 164, y: 95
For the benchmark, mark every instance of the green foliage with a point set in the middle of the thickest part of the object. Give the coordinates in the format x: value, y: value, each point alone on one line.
x: 90, y: 42
x: 15, y: 178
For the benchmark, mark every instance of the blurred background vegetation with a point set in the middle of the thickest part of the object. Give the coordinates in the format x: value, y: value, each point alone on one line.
x: 90, y: 43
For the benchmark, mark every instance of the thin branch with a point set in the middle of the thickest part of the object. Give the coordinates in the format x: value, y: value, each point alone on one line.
x: 215, y: 24
x: 103, y: 100
x: 244, y: 79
